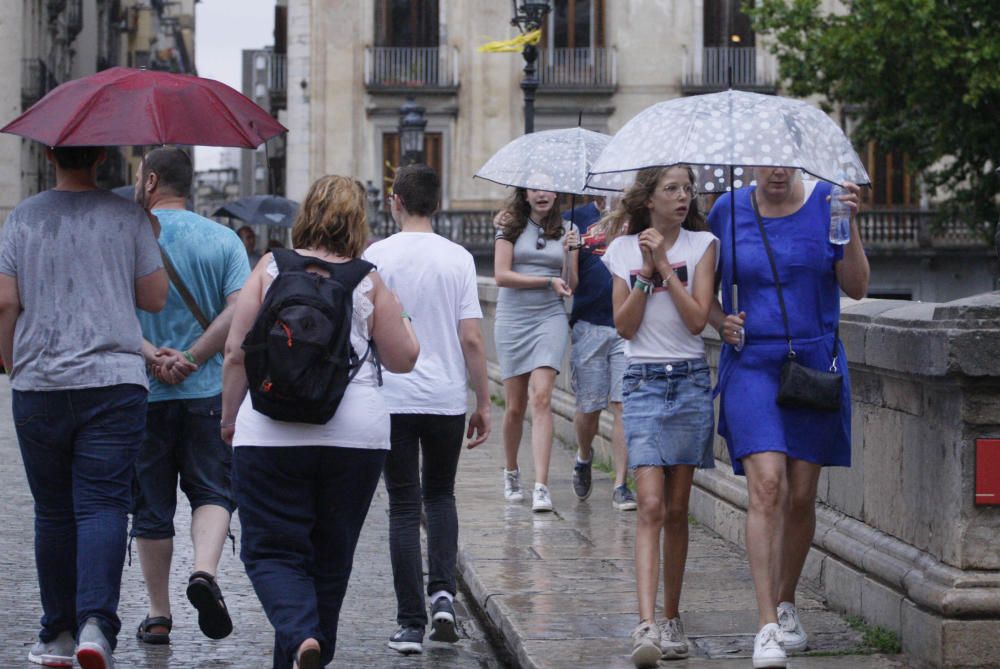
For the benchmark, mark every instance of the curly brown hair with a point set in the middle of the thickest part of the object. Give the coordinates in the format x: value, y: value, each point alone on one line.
x: 519, y: 210
x: 333, y: 217
x: 631, y: 215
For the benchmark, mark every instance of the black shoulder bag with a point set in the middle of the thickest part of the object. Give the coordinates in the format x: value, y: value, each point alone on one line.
x: 800, y: 386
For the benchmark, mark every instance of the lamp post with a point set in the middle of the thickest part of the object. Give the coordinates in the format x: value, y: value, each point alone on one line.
x: 411, y: 132
x: 529, y: 17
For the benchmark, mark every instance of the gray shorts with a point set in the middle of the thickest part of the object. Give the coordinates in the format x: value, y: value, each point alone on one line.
x: 598, y: 365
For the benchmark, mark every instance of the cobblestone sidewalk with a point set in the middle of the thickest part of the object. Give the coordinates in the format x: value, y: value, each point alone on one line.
x: 367, y: 619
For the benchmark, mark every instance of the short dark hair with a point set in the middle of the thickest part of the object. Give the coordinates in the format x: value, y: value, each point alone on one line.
x: 419, y: 187
x: 77, y: 157
x: 172, y: 166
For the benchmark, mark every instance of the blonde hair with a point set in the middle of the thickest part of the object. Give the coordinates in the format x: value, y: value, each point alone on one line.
x: 631, y: 215
x: 333, y: 217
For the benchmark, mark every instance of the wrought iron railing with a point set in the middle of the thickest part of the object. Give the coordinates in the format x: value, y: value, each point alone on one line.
x: 716, y: 67
x: 471, y: 229
x: 411, y: 67
x: 36, y: 80
x: 584, y: 68
x: 278, y: 77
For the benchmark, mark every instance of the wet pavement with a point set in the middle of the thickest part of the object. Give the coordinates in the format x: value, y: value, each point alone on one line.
x: 367, y: 619
x: 558, y: 589
x: 561, y: 586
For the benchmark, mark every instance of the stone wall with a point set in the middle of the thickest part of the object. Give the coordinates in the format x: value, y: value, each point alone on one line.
x: 899, y: 539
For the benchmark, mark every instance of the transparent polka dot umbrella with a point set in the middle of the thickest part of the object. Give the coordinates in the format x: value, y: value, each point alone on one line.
x: 553, y: 160
x: 724, y: 134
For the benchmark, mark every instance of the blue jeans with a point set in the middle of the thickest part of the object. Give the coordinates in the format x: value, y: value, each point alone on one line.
x: 182, y: 439
x: 301, y: 513
x: 79, y: 449
x: 439, y: 438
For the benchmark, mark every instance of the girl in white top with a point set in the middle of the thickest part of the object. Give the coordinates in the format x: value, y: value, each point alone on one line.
x: 304, y: 490
x: 663, y: 275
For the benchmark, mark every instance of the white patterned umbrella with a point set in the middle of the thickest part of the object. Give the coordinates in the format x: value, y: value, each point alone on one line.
x: 732, y: 130
x: 553, y: 160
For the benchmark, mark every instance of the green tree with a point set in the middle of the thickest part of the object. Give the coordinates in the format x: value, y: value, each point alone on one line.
x: 920, y: 76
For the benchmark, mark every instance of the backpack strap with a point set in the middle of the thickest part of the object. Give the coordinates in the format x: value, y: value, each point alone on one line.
x: 349, y: 273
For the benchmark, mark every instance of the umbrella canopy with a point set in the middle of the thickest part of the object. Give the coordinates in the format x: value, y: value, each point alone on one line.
x: 553, y: 160
x: 261, y: 210
x: 127, y: 107
x: 732, y: 129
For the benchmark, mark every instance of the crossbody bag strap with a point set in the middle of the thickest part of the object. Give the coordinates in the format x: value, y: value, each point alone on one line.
x: 781, y: 298
x: 185, y: 294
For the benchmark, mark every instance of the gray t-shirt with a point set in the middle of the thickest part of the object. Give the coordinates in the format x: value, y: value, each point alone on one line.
x: 76, y: 256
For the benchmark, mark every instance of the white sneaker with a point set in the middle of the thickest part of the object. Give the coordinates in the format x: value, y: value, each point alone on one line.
x: 512, y: 486
x: 793, y: 636
x: 767, y: 651
x: 673, y: 641
x: 541, y: 501
x: 646, y: 651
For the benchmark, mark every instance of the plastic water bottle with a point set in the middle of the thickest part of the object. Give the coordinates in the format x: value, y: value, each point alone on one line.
x: 840, y: 217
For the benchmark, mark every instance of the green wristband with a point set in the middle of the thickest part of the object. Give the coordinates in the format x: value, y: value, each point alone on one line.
x: 190, y: 358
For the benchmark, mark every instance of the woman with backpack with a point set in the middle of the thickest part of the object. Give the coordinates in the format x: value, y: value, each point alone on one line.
x: 304, y: 484
x: 662, y: 291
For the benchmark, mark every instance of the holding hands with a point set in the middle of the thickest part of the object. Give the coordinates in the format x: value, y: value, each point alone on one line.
x: 172, y: 366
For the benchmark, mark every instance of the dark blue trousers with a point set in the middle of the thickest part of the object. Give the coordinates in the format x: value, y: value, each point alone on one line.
x: 79, y: 449
x: 301, y: 511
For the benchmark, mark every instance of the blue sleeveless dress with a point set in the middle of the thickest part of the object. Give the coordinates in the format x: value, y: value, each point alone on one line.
x: 749, y: 418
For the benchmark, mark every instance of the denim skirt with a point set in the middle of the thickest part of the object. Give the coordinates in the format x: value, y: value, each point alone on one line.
x: 668, y: 414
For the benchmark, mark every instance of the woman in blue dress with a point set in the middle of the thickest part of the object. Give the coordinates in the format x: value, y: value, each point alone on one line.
x: 782, y: 450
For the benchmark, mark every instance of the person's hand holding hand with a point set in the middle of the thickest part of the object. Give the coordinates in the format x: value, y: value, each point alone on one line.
x: 171, y: 366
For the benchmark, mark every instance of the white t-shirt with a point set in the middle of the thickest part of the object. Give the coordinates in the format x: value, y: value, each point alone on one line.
x: 662, y: 335
x: 435, y: 280
x: 361, y: 420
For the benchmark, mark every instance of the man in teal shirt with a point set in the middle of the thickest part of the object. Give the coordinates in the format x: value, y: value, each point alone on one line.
x: 182, y: 348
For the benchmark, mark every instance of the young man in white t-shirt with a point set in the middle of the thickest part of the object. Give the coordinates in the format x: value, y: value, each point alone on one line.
x: 435, y: 280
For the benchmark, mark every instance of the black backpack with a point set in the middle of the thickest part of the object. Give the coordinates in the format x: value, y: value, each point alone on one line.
x: 299, y: 359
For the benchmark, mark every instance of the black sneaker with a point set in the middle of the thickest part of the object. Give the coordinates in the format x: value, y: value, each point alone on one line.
x: 582, y: 479
x: 443, y: 621
x: 408, y: 640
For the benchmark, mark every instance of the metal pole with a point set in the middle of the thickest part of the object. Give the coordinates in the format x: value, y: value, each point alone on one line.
x: 529, y: 85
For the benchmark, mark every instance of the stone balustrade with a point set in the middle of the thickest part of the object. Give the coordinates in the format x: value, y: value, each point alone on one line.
x: 899, y: 538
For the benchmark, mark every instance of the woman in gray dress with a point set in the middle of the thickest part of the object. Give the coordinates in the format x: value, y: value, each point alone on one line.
x: 531, y: 327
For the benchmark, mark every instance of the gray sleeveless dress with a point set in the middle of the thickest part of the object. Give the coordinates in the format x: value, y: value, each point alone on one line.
x: 531, y: 328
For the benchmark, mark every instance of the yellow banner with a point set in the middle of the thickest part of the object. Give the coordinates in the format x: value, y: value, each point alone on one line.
x: 515, y: 45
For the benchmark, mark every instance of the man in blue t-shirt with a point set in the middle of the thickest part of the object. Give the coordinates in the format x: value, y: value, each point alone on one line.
x: 597, y: 359
x: 182, y: 349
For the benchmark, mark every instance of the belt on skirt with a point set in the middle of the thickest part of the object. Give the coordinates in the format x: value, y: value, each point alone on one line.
x: 650, y: 370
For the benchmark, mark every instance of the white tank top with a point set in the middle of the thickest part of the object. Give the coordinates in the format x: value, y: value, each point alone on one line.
x: 361, y: 421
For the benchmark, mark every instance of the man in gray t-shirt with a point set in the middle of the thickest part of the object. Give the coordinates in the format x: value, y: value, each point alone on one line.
x: 75, y: 262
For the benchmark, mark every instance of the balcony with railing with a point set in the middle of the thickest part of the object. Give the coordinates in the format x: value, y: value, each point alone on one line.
x: 36, y: 81
x: 404, y: 69
x: 713, y: 69
x: 583, y: 70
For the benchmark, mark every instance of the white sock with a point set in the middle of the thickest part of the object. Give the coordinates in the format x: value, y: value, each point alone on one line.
x: 442, y: 593
x: 585, y: 462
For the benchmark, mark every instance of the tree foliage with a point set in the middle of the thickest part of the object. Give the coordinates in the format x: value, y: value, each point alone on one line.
x: 920, y: 76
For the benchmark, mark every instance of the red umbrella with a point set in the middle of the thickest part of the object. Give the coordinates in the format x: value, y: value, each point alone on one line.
x: 122, y: 106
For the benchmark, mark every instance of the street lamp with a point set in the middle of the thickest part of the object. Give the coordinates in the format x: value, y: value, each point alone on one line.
x: 529, y: 17
x: 411, y: 132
